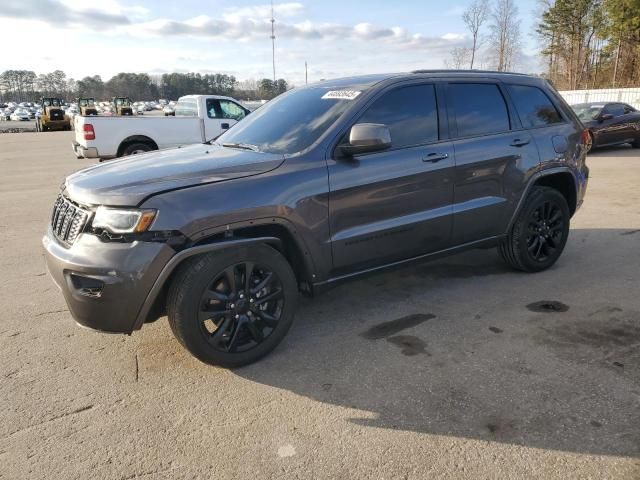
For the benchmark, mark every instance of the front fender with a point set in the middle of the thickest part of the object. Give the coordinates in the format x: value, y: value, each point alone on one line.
x: 183, y: 255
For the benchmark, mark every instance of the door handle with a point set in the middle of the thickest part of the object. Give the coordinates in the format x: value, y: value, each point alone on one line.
x: 435, y: 157
x: 520, y: 142
x: 224, y: 126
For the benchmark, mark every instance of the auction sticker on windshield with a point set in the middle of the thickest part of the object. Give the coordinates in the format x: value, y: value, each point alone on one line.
x: 341, y: 94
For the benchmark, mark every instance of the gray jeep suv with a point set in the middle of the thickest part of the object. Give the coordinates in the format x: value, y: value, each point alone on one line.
x: 321, y: 184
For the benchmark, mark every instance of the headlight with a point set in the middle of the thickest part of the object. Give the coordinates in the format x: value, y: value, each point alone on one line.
x: 120, y: 220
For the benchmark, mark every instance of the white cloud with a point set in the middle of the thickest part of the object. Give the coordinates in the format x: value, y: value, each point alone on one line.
x: 453, y: 36
x: 264, y: 11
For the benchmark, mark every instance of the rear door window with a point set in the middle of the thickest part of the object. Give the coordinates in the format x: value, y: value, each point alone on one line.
x: 533, y: 106
x: 410, y: 113
x: 479, y: 108
x: 186, y: 108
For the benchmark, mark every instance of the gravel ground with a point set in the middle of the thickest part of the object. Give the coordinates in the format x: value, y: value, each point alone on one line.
x: 447, y: 369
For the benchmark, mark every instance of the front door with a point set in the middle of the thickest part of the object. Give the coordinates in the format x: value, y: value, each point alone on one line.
x: 221, y: 114
x: 395, y: 204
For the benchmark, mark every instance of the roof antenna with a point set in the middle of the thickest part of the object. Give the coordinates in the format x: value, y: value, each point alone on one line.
x: 273, y: 43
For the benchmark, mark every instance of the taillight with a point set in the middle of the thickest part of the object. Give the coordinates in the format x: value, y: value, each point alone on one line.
x: 585, y: 138
x: 89, y: 133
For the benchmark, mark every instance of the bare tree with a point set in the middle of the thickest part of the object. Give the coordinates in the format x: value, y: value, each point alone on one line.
x: 504, y: 38
x: 458, y: 57
x: 474, y: 17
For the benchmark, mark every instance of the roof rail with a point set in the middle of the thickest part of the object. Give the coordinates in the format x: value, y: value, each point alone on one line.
x: 466, y: 71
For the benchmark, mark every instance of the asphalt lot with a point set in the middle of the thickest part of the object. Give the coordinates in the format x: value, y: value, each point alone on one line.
x: 483, y: 387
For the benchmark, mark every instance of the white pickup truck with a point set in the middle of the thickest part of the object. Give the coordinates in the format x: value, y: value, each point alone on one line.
x: 198, y: 119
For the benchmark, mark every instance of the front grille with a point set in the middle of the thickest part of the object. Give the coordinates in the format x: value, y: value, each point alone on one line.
x: 67, y: 220
x: 56, y: 114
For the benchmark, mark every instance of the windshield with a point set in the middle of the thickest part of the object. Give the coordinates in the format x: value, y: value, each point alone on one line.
x: 587, y: 111
x: 291, y: 122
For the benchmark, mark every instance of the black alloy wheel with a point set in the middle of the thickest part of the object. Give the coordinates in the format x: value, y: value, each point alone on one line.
x: 545, y: 229
x: 539, y: 233
x: 233, y: 306
x: 241, y: 307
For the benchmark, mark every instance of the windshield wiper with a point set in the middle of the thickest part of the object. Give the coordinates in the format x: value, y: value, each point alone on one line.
x: 243, y: 146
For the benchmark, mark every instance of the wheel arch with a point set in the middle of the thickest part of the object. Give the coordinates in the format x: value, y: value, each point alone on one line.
x: 564, y: 183
x: 153, y: 306
x: 275, y: 232
x: 561, y: 179
x: 135, y: 139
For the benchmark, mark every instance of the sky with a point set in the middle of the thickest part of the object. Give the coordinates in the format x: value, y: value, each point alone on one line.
x: 336, y: 38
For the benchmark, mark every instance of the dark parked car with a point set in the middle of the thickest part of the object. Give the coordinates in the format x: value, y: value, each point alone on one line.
x: 321, y: 184
x: 610, y: 123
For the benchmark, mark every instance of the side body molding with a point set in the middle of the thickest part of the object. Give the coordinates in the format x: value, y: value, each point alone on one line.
x: 182, y: 256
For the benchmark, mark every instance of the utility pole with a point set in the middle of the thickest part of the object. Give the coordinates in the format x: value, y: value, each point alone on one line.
x: 273, y: 43
x: 306, y: 78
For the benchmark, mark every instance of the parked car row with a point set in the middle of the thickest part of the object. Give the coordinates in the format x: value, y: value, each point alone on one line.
x: 19, y: 111
x: 105, y: 108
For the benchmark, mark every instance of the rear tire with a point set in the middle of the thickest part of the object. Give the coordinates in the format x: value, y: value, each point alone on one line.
x: 538, y: 236
x: 222, y: 317
x: 136, y: 148
x: 636, y: 144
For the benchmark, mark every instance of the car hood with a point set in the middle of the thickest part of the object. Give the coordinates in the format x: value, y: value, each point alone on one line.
x: 129, y: 181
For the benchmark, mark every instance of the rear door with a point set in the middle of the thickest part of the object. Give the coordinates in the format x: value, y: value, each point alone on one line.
x: 493, y: 154
x: 395, y: 204
x: 554, y: 133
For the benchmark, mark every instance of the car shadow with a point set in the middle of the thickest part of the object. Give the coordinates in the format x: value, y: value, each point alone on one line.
x: 466, y: 347
x: 623, y: 150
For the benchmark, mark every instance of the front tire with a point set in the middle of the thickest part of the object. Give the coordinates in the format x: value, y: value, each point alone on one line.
x: 231, y: 308
x: 539, y: 234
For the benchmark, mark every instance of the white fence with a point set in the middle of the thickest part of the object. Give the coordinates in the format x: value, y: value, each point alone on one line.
x: 626, y: 95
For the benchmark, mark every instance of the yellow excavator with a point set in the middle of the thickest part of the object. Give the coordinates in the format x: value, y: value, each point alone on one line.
x: 52, y: 116
x: 123, y: 106
x: 87, y: 106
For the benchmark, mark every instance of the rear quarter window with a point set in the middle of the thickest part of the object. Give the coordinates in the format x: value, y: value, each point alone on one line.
x: 534, y: 107
x: 479, y: 108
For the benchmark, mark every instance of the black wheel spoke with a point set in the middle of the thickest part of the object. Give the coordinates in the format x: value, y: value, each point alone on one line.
x: 222, y: 328
x: 534, y: 243
x: 273, y: 295
x: 551, y: 242
x: 270, y: 320
x: 230, y: 274
x: 263, y: 283
x: 215, y: 296
x: 539, y: 249
x: 255, y: 331
x: 248, y: 271
x: 212, y: 314
x: 234, y: 337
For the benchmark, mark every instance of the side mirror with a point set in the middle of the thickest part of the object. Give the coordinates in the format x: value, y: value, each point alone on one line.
x: 605, y: 116
x: 367, y: 137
